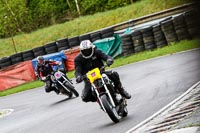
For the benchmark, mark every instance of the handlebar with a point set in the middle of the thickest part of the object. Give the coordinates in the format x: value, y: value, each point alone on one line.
x: 102, y: 69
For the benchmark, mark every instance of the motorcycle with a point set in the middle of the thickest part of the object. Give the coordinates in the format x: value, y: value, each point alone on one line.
x: 108, y: 97
x: 61, y: 82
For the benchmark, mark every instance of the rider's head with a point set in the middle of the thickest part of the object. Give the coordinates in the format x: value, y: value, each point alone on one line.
x: 40, y: 60
x: 87, y: 49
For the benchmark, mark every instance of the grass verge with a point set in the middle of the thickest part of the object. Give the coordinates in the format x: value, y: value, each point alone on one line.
x: 120, y: 61
x: 194, y: 125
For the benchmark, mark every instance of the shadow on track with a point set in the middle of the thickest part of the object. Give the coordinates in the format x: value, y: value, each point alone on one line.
x: 62, y: 101
x: 112, y: 124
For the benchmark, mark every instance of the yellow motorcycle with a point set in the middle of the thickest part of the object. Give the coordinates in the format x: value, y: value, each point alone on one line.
x: 107, y: 96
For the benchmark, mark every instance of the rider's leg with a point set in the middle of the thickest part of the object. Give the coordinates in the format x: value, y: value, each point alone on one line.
x: 87, y: 93
x: 114, y: 76
x: 48, y: 87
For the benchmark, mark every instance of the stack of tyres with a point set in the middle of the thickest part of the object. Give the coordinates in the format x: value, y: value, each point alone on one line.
x: 84, y: 37
x: 169, y: 31
x: 148, y: 38
x: 16, y: 58
x: 38, y: 51
x: 74, y: 41
x: 137, y: 41
x: 159, y: 36
x: 105, y: 33
x: 62, y: 44
x: 5, y: 62
x: 95, y: 36
x: 28, y: 55
x: 127, y: 44
x: 180, y: 27
x: 51, y: 47
x: 192, y: 22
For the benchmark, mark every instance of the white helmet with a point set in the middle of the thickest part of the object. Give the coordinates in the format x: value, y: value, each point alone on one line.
x: 87, y: 49
x: 40, y: 59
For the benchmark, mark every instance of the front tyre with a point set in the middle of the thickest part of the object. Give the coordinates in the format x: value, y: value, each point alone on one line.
x: 66, y: 92
x: 111, y: 111
x: 72, y: 89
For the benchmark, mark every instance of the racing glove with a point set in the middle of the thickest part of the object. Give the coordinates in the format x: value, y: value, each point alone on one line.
x: 109, y: 62
x: 78, y: 79
x: 59, y: 63
x: 43, y: 78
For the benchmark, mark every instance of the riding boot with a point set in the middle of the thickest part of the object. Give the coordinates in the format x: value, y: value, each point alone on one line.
x: 56, y: 91
x: 123, y: 92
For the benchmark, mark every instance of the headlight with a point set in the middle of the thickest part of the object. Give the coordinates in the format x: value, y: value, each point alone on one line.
x: 57, y: 75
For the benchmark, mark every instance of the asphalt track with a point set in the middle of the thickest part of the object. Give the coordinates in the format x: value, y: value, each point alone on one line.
x: 153, y: 84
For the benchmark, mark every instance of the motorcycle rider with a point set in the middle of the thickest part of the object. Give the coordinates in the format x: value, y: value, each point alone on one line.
x: 43, y: 68
x: 88, y: 59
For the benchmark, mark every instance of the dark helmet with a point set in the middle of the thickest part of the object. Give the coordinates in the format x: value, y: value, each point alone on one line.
x: 40, y: 59
x: 86, y: 49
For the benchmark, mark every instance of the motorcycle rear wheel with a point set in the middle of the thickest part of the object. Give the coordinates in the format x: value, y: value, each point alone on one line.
x: 111, y: 111
x: 72, y: 89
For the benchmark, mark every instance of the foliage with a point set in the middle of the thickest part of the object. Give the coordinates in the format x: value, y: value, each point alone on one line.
x: 29, y: 15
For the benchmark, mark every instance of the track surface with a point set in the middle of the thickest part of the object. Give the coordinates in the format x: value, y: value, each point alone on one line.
x: 153, y: 84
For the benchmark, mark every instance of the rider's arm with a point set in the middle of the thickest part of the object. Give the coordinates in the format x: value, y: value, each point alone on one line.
x: 41, y: 75
x: 37, y: 72
x: 53, y: 63
x: 102, y: 55
x: 109, y: 60
x: 78, y: 67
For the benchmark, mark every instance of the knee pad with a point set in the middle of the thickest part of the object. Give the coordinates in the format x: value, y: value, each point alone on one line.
x: 88, y: 99
x: 84, y: 99
x: 115, y: 76
x: 47, y: 89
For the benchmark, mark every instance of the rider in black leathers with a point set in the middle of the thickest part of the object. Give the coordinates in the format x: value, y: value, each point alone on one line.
x: 88, y: 59
x: 43, y: 68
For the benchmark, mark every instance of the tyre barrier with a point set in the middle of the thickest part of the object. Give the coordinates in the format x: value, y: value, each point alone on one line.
x: 39, y: 51
x: 137, y: 41
x: 74, y: 41
x: 127, y: 44
x: 192, y: 22
x: 51, y: 48
x: 5, y: 62
x: 169, y: 31
x: 16, y: 58
x: 62, y: 44
x: 179, y: 27
x: 28, y: 55
x: 159, y: 37
x: 148, y: 38
x: 105, y: 33
x: 84, y: 37
x: 95, y: 36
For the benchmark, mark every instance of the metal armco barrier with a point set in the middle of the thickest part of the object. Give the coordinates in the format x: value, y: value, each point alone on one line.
x: 154, y: 16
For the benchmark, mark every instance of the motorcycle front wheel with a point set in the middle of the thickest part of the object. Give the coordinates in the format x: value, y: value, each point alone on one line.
x: 66, y: 92
x: 72, y: 89
x: 111, y: 111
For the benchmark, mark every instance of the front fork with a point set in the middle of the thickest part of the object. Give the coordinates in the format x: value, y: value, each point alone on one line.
x: 107, y: 91
x: 62, y: 83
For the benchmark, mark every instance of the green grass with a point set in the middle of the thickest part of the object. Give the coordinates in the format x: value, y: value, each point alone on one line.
x: 85, y: 24
x: 120, y: 61
x: 196, y: 125
x: 192, y: 125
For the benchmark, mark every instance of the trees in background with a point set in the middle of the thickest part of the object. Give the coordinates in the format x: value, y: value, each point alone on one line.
x: 18, y: 16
